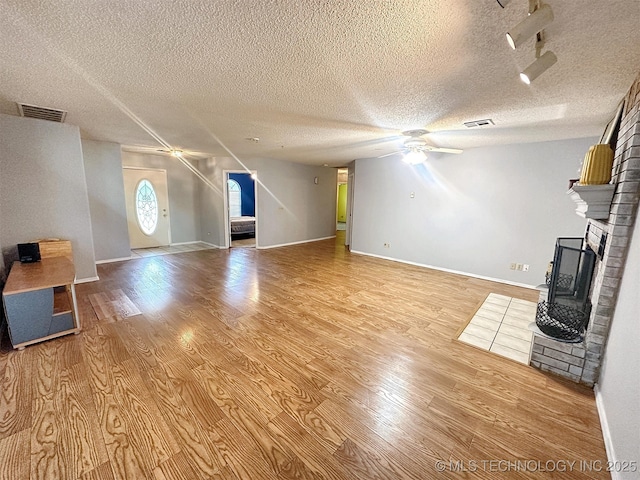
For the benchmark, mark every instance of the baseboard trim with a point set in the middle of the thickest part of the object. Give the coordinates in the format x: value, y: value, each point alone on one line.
x: 448, y: 270
x: 266, y: 247
x: 111, y: 260
x: 606, y: 432
x: 185, y: 243
x: 86, y: 280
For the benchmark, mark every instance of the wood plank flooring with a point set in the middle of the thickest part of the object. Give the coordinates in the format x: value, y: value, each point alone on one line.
x: 299, y: 362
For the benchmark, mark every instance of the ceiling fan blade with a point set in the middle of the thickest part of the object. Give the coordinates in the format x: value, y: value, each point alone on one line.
x: 441, y: 150
x: 389, y: 154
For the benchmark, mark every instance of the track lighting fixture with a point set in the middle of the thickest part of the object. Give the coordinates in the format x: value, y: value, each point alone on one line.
x: 538, y: 19
x: 538, y: 67
x: 176, y: 153
x: 414, y: 157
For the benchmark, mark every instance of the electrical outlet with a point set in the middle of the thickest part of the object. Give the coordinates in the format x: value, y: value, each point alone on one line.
x: 525, y: 267
x: 519, y: 266
x: 513, y: 266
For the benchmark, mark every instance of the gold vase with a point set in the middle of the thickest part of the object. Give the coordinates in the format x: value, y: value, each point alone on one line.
x: 596, y: 168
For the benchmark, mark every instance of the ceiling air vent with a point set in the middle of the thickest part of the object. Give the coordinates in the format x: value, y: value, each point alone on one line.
x: 41, y: 113
x: 479, y: 123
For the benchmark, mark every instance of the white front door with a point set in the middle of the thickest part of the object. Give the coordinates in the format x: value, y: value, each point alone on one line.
x: 147, y: 198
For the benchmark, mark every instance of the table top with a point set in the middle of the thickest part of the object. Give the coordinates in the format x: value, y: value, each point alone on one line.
x: 47, y: 273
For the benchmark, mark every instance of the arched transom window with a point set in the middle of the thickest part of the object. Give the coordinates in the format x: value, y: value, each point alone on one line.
x: 235, y: 198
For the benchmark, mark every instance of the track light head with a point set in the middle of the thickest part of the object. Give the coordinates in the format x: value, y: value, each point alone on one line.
x: 538, y: 67
x: 531, y: 25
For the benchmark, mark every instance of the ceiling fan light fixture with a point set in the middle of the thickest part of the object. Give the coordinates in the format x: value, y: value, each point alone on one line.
x: 538, y: 67
x: 531, y: 25
x: 414, y: 157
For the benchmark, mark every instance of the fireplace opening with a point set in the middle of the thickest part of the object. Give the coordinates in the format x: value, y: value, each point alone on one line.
x: 565, y: 313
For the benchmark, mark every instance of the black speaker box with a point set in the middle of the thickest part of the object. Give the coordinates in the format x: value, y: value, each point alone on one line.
x: 29, y: 252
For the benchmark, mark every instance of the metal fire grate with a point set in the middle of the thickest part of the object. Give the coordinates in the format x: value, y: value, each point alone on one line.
x: 563, y: 282
x: 561, y: 321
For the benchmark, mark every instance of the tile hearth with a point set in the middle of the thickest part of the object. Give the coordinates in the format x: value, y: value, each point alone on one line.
x: 501, y: 326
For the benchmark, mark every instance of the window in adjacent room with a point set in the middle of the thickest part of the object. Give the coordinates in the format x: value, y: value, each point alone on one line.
x: 235, y: 198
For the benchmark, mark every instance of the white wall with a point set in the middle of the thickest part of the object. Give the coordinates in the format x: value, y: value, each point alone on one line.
x: 103, y: 171
x: 43, y: 192
x: 182, y: 185
x: 290, y: 207
x: 619, y: 384
x: 477, y: 212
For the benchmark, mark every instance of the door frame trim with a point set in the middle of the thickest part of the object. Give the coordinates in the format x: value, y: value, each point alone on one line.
x: 351, y: 186
x: 227, y: 219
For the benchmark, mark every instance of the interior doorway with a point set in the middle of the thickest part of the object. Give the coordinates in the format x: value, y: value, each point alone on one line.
x: 147, y: 205
x: 240, y: 209
x: 341, y: 203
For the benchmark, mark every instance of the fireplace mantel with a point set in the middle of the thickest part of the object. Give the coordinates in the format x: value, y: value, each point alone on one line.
x: 593, y: 201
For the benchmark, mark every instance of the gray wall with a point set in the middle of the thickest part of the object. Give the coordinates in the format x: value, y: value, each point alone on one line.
x: 619, y: 383
x: 182, y: 185
x: 477, y: 212
x: 2, y: 272
x: 290, y: 207
x: 103, y: 172
x: 43, y: 192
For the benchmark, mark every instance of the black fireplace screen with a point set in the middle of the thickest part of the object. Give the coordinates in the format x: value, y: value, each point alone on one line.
x: 565, y: 313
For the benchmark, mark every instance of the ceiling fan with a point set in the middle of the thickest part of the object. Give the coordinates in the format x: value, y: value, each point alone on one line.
x: 415, y: 148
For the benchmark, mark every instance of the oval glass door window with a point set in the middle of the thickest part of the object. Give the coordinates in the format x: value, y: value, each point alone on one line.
x: 146, y: 207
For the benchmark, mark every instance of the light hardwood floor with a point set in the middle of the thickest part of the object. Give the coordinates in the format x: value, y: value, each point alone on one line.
x: 299, y: 362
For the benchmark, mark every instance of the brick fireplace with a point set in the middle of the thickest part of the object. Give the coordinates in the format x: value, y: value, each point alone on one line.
x: 581, y: 362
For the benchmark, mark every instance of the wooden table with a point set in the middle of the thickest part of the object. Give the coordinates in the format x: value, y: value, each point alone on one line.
x: 40, y: 301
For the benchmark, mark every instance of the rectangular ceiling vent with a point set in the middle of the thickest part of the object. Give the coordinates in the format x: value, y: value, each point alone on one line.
x: 479, y: 123
x: 41, y: 113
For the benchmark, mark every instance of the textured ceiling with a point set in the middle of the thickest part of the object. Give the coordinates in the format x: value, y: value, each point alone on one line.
x: 318, y: 81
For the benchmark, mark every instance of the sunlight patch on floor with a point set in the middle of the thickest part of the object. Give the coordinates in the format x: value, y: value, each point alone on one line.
x: 169, y: 249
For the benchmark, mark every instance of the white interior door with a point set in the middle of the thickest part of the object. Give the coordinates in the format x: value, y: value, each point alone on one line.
x: 147, y: 198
